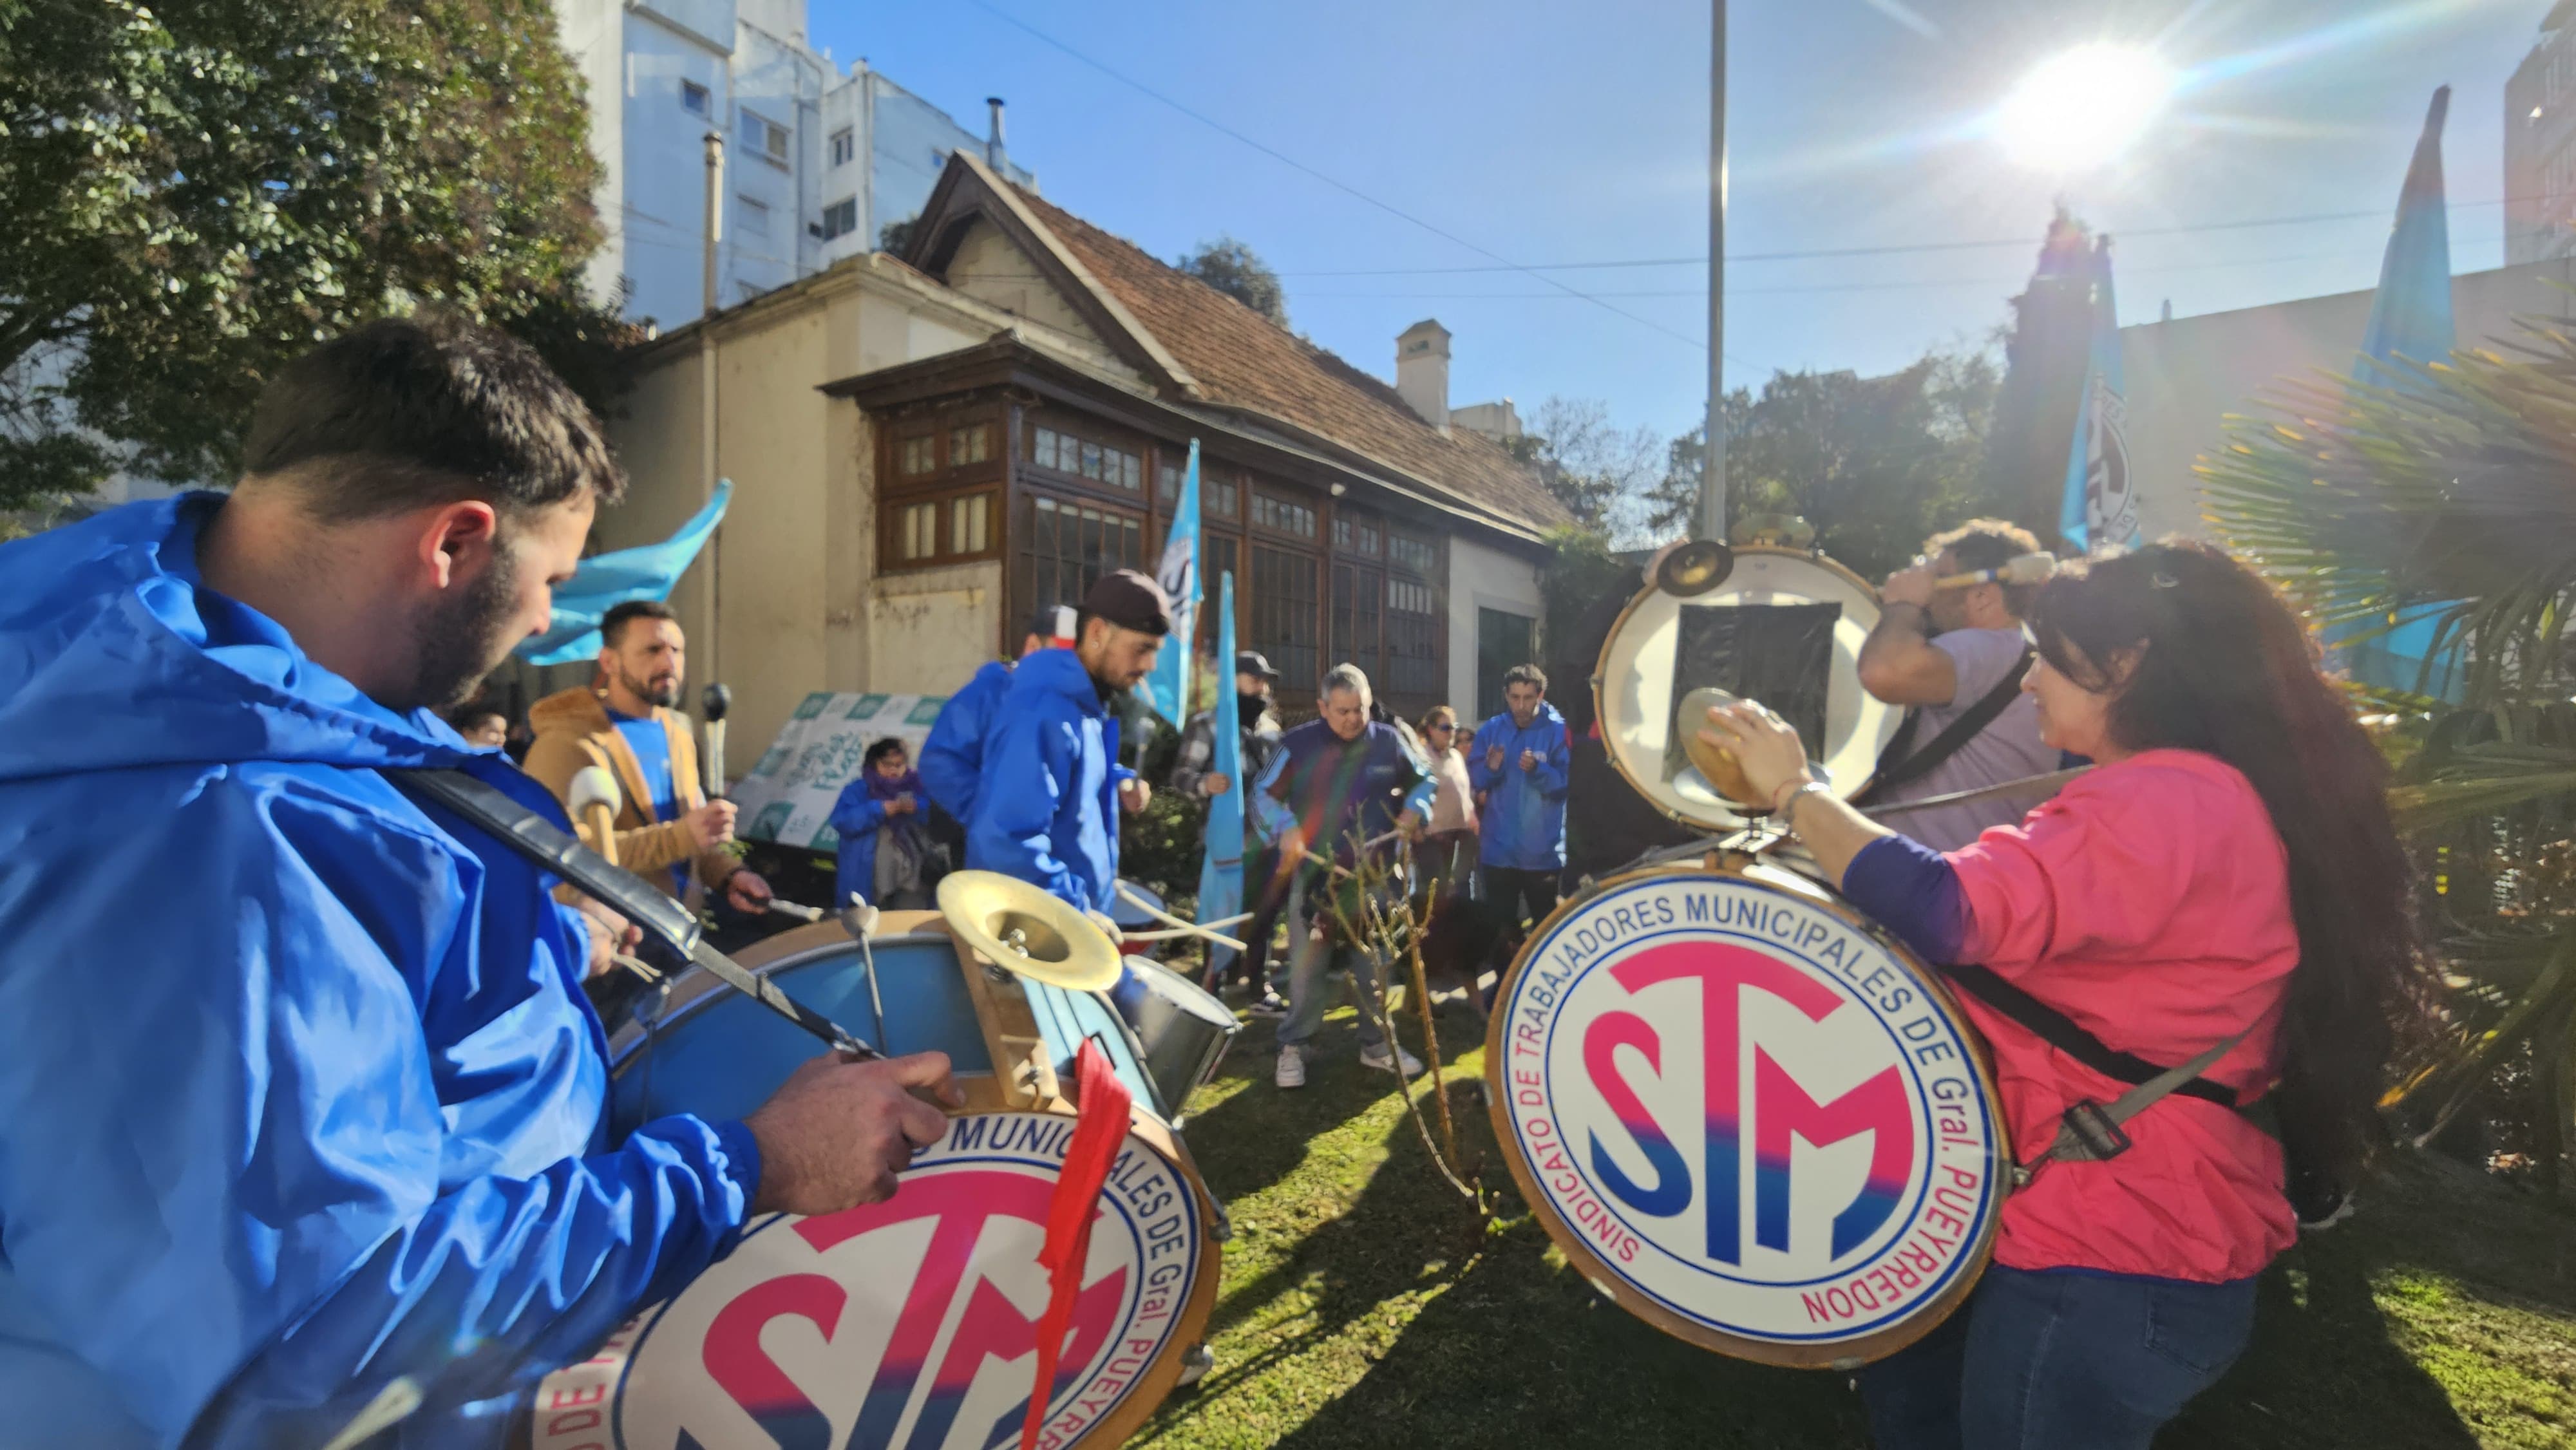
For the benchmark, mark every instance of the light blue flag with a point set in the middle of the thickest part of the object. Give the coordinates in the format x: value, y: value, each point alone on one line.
x: 2411, y: 318
x: 1221, y: 872
x: 605, y: 581
x: 2101, y: 507
x: 1167, y: 689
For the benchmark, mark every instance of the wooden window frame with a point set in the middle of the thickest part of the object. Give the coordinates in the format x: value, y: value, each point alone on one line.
x: 1084, y: 430
x: 1022, y: 586
x: 891, y: 509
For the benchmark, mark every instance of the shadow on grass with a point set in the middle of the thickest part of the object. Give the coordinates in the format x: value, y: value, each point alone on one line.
x: 1364, y: 1306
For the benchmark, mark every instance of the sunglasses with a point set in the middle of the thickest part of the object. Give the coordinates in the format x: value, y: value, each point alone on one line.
x: 1443, y: 726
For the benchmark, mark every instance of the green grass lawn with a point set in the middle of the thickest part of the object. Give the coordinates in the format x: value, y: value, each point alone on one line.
x: 1364, y: 1305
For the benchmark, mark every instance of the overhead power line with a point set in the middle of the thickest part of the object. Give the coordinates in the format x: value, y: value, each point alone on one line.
x: 1505, y: 263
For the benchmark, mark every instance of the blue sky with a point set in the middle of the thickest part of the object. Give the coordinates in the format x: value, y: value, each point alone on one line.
x: 1551, y: 133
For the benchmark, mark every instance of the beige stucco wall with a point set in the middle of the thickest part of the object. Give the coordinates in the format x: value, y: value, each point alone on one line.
x: 794, y: 560
x: 2185, y: 376
x: 1482, y: 578
x: 990, y: 268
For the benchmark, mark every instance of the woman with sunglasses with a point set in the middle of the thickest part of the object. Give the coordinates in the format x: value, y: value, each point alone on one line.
x: 2226, y: 873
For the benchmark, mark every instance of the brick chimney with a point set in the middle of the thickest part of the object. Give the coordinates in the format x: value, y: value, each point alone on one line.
x: 1422, y: 371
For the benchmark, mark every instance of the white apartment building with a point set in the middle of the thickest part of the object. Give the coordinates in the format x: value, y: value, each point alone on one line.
x: 816, y: 161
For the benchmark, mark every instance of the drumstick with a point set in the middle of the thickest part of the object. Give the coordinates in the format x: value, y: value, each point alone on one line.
x: 2025, y: 569
x: 1179, y: 932
x: 1165, y: 917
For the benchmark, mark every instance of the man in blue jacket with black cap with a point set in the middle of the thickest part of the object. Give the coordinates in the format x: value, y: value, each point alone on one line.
x: 1047, y: 808
x: 300, y: 1099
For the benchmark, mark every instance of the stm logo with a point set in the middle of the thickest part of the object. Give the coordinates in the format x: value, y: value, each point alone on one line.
x: 1760, y: 1126
x: 910, y: 1323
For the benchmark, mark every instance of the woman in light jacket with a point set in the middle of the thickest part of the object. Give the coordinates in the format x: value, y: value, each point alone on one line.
x: 2228, y: 868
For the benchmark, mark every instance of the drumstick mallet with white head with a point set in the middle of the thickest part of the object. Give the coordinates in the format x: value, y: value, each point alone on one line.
x: 595, y: 799
x: 713, y: 705
x: 2022, y: 569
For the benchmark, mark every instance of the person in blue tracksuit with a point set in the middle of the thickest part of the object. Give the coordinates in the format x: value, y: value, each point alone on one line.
x: 952, y: 759
x: 1517, y: 767
x: 299, y: 1094
x: 1046, y: 810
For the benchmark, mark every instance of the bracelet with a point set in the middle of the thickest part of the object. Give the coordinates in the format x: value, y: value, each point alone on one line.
x: 1785, y: 810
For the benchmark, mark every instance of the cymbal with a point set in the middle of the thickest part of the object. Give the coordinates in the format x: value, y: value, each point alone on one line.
x: 1717, y: 764
x: 1024, y: 930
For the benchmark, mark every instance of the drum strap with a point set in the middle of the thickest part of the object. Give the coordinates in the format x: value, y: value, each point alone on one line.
x: 550, y: 848
x: 2092, y: 1132
x: 1900, y: 763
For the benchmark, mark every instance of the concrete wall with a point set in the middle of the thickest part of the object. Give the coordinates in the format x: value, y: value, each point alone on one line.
x: 1482, y: 578
x: 2185, y: 376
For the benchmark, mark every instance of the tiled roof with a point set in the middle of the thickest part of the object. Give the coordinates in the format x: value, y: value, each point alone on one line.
x: 1241, y: 359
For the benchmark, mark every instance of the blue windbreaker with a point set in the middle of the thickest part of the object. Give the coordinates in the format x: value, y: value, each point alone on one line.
x: 1521, y: 825
x: 298, y: 1090
x: 952, y: 759
x: 1047, y: 810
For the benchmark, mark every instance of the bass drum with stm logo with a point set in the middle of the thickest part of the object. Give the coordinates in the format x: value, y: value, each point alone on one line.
x: 1752, y: 1118
x: 910, y: 1323
x: 1749, y: 1116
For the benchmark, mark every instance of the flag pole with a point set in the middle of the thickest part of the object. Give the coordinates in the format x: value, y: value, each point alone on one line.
x: 1712, y: 483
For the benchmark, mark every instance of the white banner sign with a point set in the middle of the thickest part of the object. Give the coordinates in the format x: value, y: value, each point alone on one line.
x: 787, y: 798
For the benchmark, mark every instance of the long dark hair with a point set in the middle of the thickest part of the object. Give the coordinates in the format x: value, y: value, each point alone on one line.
x: 2223, y: 666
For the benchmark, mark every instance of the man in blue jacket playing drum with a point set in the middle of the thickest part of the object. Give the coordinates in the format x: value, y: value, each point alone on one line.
x: 1047, y: 807
x: 300, y: 1099
x: 1517, y: 767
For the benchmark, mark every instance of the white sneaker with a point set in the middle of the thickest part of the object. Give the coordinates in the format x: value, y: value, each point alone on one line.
x: 1384, y: 1061
x: 1291, y: 1071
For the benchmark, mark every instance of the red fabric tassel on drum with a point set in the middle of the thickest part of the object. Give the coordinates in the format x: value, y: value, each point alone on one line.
x: 1099, y: 1127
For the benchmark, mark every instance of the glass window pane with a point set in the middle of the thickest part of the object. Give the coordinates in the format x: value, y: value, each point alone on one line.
x: 1091, y: 460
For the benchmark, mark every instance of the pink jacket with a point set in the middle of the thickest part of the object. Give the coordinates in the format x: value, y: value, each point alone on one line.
x: 2149, y: 902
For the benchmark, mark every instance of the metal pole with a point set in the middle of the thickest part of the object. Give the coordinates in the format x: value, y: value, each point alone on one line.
x: 1712, y: 484
x: 715, y: 216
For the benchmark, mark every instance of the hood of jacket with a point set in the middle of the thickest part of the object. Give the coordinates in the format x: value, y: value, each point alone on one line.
x: 575, y: 712
x: 114, y: 654
x: 1060, y: 672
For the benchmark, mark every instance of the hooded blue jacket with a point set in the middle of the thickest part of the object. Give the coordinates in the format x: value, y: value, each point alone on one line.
x: 1521, y: 826
x: 1047, y: 810
x: 298, y: 1090
x: 952, y: 759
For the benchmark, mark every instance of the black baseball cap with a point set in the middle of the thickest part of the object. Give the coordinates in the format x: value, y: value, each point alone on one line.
x: 1250, y: 662
x: 1131, y: 601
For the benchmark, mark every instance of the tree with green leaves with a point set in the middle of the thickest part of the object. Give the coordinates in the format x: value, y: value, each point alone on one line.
x: 2446, y: 496
x: 1236, y: 270
x: 201, y: 190
x: 1875, y: 464
x: 1597, y: 469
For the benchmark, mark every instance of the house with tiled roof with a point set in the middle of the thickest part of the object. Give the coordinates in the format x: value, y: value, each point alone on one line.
x: 928, y: 448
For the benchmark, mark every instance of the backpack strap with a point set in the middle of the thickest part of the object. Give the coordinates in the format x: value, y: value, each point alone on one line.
x: 1900, y: 763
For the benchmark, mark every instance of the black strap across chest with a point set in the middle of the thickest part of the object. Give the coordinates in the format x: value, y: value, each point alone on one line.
x: 2063, y: 1033
x: 1900, y: 763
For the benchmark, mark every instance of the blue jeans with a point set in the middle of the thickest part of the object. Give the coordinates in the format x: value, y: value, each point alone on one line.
x: 2061, y: 1360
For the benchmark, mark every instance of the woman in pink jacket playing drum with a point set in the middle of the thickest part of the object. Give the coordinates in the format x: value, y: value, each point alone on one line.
x: 2226, y: 877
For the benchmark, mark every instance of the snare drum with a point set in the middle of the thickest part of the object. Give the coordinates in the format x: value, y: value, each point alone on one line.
x: 1750, y: 1116
x: 910, y: 1322
x: 1181, y: 1028
x: 1132, y: 917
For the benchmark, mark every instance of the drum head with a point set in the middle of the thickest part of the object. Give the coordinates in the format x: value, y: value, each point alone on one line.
x: 1751, y: 1118
x: 1785, y: 629
x: 913, y: 1322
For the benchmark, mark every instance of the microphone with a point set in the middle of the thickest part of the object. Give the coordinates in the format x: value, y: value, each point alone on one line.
x: 2026, y: 569
x: 713, y: 704
x: 595, y: 800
